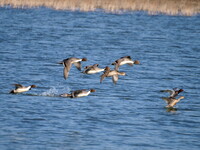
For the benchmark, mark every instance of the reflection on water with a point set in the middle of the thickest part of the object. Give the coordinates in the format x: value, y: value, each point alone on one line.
x: 171, y: 7
x: 171, y: 109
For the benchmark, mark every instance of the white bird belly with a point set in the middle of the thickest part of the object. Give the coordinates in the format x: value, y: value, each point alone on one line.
x: 83, y: 94
x: 126, y: 62
x: 20, y: 90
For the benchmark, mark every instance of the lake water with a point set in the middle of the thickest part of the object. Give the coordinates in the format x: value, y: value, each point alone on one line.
x: 126, y: 116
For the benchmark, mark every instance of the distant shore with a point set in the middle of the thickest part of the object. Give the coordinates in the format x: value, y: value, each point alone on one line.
x: 170, y: 7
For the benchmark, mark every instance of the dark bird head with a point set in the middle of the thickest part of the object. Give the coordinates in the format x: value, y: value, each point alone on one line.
x: 92, y: 90
x: 33, y: 86
x: 84, y: 59
x: 107, y: 68
x: 181, y: 90
x: 137, y: 62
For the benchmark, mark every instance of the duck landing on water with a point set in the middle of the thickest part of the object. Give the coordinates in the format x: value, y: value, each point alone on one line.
x: 20, y: 88
x: 171, y: 102
x: 78, y: 93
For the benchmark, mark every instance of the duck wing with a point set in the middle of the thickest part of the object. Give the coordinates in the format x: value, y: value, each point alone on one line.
x: 171, y: 92
x: 167, y: 100
x: 115, y: 79
x: 67, y: 67
x: 117, y: 66
x: 102, y: 77
x: 78, y: 65
x: 76, y: 93
x: 18, y: 85
x: 126, y: 57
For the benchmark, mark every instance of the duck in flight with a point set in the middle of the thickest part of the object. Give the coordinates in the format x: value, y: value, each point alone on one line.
x: 111, y: 73
x: 78, y: 93
x: 20, y: 88
x: 125, y: 60
x: 67, y: 63
x: 93, y: 69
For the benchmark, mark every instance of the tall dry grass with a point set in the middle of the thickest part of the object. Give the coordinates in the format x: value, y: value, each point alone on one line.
x: 171, y: 7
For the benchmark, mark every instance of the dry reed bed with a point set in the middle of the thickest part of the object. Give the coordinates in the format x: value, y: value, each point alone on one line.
x: 171, y: 7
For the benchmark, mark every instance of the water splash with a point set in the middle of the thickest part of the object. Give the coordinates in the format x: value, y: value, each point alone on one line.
x: 55, y: 91
x: 50, y: 92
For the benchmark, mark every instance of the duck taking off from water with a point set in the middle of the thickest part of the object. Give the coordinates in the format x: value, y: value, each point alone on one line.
x: 125, y: 60
x: 67, y: 63
x: 20, y: 88
x: 111, y: 73
x: 93, y: 69
x: 78, y: 93
x: 171, y: 102
x: 174, y: 92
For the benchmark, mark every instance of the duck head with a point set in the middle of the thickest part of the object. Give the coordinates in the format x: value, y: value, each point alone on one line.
x: 137, y: 62
x: 92, y: 90
x: 33, y: 86
x: 84, y: 59
x: 181, y: 90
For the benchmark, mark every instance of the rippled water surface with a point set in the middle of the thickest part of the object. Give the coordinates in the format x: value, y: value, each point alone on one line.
x: 129, y: 115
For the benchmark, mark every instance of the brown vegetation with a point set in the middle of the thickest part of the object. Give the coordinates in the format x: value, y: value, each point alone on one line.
x: 171, y: 7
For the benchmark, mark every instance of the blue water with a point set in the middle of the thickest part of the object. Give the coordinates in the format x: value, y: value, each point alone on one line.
x: 129, y: 115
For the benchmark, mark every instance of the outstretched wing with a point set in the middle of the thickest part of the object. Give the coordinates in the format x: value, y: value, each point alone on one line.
x: 18, y: 85
x: 167, y: 100
x: 78, y: 65
x: 102, y: 77
x: 67, y: 67
x: 115, y: 79
x: 76, y: 93
x: 117, y: 66
x: 171, y: 92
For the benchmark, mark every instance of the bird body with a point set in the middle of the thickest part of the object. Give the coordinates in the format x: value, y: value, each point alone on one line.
x: 171, y: 102
x: 78, y: 93
x: 20, y: 88
x: 111, y: 73
x: 93, y: 69
x: 124, y: 60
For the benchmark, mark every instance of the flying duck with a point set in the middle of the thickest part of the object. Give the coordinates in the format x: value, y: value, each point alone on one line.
x: 93, y: 69
x: 67, y: 63
x: 125, y: 60
x: 78, y: 93
x: 111, y: 73
x: 171, y: 102
x: 20, y: 88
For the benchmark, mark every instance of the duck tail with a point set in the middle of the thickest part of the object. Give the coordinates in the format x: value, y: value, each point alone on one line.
x: 61, y: 62
x: 12, y: 92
